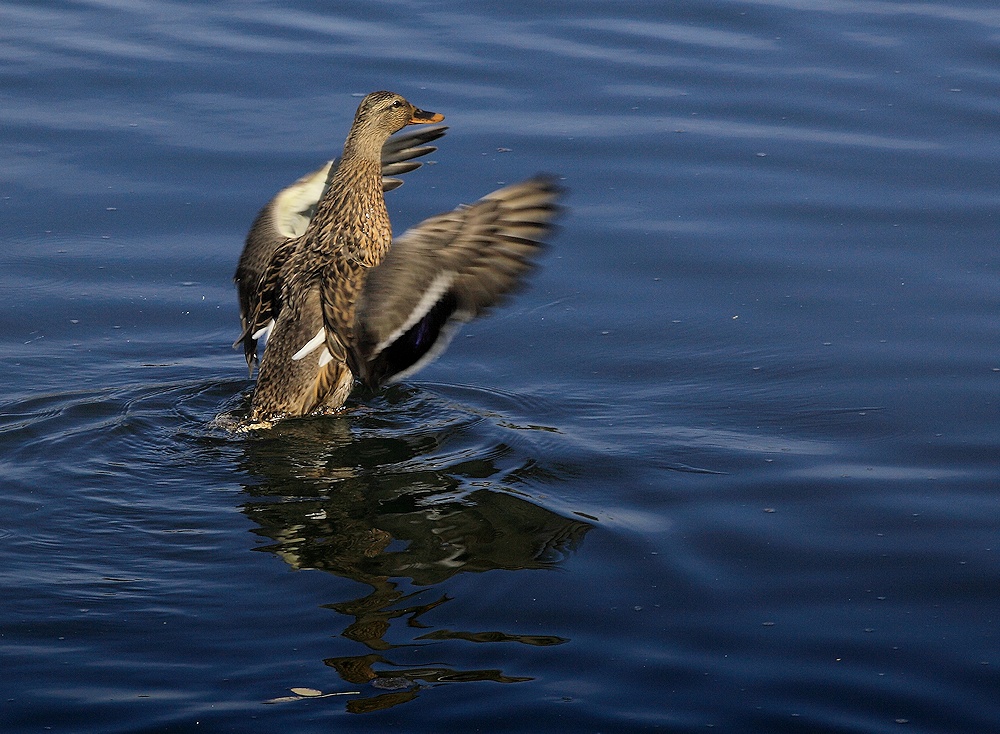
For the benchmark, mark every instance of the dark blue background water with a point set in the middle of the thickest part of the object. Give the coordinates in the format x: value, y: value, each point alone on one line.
x: 730, y: 462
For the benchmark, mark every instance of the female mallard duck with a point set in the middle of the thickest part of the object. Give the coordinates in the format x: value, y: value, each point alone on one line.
x: 318, y: 276
x: 287, y: 215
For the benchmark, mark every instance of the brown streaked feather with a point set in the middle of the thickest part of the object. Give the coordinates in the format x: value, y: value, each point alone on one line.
x: 266, y: 302
x: 286, y: 386
x: 288, y: 214
x: 314, y: 292
x: 447, y: 270
x: 351, y: 221
x: 333, y: 384
x: 338, y: 297
x: 343, y: 304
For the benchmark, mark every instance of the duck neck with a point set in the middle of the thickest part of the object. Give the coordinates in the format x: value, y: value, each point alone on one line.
x: 363, y: 143
x: 351, y: 220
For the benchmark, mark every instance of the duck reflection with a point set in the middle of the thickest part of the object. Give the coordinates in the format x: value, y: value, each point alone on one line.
x: 394, y: 508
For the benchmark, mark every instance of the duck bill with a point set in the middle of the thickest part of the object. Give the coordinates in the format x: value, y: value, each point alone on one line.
x: 420, y: 117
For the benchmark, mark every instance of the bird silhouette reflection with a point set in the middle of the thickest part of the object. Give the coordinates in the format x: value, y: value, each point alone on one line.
x: 396, y: 502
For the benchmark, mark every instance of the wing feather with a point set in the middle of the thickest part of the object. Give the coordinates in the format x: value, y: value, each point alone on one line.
x: 445, y: 271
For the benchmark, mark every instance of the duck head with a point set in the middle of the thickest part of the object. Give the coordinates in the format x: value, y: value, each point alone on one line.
x: 380, y: 114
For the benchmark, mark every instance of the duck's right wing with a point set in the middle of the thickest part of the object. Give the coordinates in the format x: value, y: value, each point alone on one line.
x: 444, y: 272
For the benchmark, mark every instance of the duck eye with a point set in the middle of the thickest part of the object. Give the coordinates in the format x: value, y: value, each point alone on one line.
x: 396, y: 105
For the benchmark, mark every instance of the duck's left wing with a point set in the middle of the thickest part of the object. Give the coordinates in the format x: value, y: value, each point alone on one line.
x: 444, y: 272
x: 284, y: 217
x: 260, y: 311
x: 399, y: 152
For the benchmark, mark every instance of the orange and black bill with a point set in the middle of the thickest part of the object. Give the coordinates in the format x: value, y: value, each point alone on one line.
x: 421, y: 116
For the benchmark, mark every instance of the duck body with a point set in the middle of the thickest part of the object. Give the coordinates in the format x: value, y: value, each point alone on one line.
x: 341, y: 302
x: 289, y: 213
x: 305, y: 365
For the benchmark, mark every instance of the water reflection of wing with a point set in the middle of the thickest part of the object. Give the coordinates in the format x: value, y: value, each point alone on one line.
x: 483, y: 531
x: 393, y: 517
x: 366, y: 508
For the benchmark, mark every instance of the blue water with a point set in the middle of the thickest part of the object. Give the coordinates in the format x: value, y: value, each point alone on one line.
x: 729, y: 463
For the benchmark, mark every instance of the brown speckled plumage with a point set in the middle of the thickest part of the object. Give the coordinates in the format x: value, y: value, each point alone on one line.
x: 341, y: 301
x: 286, y: 217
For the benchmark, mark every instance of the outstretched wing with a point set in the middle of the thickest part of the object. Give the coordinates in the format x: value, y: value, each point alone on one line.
x: 444, y: 272
x: 287, y: 215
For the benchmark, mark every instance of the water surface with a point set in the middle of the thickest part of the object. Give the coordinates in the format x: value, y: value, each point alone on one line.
x: 729, y: 462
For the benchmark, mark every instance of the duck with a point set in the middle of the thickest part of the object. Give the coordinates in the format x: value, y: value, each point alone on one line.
x: 286, y: 216
x: 340, y: 301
